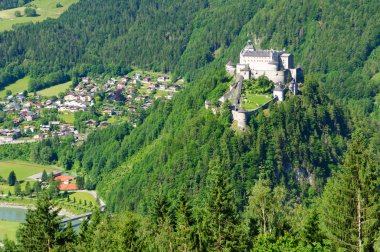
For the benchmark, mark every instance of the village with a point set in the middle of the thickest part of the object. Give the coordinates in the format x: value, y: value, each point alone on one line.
x: 91, y: 104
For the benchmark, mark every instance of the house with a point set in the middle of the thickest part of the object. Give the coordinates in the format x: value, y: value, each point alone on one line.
x: 103, y: 124
x: 28, y: 104
x: 169, y: 96
x: 70, y: 97
x: 54, y: 123
x: 85, y: 98
x: 107, y: 111
x: 146, y: 79
x: 65, y: 179
x: 29, y: 116
x: 90, y: 123
x: 39, y: 136
x: 163, y: 86
x: 174, y: 88
x: 44, y: 128
x: 67, y: 183
x: 17, y: 120
x: 29, y: 128
x: 38, y: 176
x: 163, y: 78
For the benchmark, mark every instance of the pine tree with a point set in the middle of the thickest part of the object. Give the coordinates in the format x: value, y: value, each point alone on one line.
x: 17, y: 189
x: 222, y: 217
x: 12, y: 178
x: 42, y: 230
x: 44, y: 177
x: 28, y: 190
x: 185, y: 233
x: 349, y: 210
x: 37, y: 187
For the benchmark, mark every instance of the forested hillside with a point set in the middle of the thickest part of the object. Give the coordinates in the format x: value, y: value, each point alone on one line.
x: 10, y: 4
x: 304, y: 162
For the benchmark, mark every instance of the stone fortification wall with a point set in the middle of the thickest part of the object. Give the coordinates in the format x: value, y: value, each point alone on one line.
x: 242, y: 117
x: 275, y: 76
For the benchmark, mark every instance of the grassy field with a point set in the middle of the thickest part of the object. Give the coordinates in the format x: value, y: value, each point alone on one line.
x: 45, y: 9
x: 153, y: 75
x: 254, y: 101
x: 22, y: 169
x: 18, y: 86
x: 55, y: 90
x: 83, y: 196
x: 67, y: 117
x: 8, y: 230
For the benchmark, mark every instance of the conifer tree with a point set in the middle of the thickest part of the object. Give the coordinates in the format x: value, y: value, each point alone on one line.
x: 349, y: 210
x: 44, y: 177
x: 222, y: 217
x: 17, y: 189
x: 185, y: 235
x: 12, y: 178
x: 42, y: 230
x: 27, y: 188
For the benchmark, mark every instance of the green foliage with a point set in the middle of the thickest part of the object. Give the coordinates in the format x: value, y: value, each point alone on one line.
x: 12, y: 178
x: 10, y: 4
x: 42, y: 229
x: 18, y: 13
x: 30, y: 12
x: 349, y: 207
x: 260, y: 86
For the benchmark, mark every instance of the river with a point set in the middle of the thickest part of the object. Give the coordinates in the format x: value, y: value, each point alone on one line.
x: 12, y: 214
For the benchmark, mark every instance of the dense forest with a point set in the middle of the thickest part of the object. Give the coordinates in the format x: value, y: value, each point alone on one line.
x: 301, y: 177
x: 10, y: 4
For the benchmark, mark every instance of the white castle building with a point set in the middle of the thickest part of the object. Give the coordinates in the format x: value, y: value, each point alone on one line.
x: 278, y: 66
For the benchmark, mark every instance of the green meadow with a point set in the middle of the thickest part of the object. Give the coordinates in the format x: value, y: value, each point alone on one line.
x: 55, y: 90
x: 45, y: 9
x: 255, y: 100
x: 17, y: 87
x: 22, y: 169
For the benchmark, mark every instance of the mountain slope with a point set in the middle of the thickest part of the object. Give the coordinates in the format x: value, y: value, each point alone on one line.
x: 299, y: 144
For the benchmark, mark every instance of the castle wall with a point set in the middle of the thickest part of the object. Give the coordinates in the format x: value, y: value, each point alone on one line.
x: 230, y: 70
x: 243, y: 117
x: 275, y: 76
x: 279, y: 94
x: 240, y: 118
x: 287, y: 61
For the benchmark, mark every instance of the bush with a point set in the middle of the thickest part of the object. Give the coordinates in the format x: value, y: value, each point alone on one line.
x: 58, y: 5
x: 30, y: 12
x: 18, y: 13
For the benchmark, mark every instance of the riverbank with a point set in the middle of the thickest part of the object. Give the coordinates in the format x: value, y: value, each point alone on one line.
x: 63, y: 211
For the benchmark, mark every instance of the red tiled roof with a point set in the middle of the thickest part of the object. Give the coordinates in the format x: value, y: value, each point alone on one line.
x: 68, y: 187
x: 63, y: 178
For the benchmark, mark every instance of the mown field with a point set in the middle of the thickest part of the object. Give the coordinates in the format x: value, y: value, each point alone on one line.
x: 45, y: 9
x: 22, y: 169
x: 254, y: 101
x: 55, y: 90
x: 22, y: 84
x: 83, y: 196
x: 17, y: 87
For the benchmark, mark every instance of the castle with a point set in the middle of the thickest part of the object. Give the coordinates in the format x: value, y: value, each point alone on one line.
x: 277, y: 66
